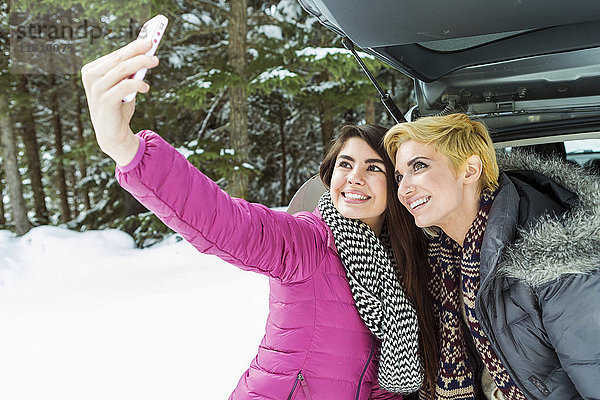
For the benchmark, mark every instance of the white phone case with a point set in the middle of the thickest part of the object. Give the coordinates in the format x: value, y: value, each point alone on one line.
x: 153, y: 29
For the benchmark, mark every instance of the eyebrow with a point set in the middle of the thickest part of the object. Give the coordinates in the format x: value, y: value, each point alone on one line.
x: 410, y: 163
x: 414, y: 160
x: 367, y: 161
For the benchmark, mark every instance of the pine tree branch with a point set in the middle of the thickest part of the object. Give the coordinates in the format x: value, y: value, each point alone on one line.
x: 221, y: 128
x: 199, y: 33
x: 213, y: 4
x: 210, y: 113
x: 259, y: 19
x: 190, y: 78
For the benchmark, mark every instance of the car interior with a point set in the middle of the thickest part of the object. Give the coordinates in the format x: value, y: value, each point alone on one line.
x: 528, y: 70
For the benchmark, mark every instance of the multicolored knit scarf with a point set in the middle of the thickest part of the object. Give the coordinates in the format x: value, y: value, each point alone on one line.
x: 456, y: 269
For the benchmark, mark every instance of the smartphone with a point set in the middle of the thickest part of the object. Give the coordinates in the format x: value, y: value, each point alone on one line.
x: 153, y: 29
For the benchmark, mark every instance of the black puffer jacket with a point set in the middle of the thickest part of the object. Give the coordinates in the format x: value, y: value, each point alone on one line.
x: 539, y: 299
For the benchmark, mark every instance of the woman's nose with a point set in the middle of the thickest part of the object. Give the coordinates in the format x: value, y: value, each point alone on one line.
x: 355, y: 177
x: 404, y: 188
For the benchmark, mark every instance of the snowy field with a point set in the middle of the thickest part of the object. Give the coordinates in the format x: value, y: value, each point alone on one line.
x: 88, y: 316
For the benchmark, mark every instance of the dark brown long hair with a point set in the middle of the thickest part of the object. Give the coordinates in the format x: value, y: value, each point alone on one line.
x: 407, y: 240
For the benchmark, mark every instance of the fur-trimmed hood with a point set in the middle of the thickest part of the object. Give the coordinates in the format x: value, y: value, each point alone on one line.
x: 555, y: 244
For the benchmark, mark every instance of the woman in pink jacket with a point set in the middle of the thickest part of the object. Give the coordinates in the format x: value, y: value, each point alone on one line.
x: 337, y: 310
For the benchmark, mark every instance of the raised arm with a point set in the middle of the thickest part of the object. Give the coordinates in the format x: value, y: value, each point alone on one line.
x: 245, y: 234
x: 248, y: 235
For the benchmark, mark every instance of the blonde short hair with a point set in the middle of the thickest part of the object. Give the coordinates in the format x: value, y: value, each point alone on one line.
x: 455, y: 136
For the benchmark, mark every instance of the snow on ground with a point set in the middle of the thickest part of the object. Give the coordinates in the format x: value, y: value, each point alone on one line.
x: 88, y: 316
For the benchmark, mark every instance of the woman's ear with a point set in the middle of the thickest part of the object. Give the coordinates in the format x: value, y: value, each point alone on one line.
x: 473, y: 169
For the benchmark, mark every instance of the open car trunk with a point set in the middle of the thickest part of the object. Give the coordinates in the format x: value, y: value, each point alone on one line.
x: 528, y: 69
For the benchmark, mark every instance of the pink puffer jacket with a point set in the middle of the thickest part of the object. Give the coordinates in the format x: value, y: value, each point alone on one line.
x: 316, y: 346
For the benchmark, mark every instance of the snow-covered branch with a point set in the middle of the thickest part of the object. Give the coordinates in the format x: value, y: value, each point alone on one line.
x: 213, y: 4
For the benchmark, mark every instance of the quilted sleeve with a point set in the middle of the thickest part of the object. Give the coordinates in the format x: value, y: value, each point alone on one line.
x: 571, y: 316
x: 248, y: 235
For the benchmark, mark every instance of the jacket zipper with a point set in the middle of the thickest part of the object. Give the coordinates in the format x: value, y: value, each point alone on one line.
x: 366, y: 367
x: 300, y: 379
x: 304, y: 385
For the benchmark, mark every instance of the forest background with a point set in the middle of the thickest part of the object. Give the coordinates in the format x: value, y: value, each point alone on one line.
x: 250, y: 91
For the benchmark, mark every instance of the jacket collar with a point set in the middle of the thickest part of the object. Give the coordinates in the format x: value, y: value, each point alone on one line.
x: 501, y: 227
x: 552, y: 245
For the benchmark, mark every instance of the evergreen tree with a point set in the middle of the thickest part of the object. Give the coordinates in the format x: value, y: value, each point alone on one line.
x: 11, y: 170
x: 28, y: 133
x: 300, y: 85
x: 8, y: 140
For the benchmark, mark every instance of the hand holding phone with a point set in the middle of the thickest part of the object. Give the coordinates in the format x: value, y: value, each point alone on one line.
x: 154, y: 30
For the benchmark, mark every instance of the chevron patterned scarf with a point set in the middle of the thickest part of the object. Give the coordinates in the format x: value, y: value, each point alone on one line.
x: 379, y: 297
x: 456, y: 269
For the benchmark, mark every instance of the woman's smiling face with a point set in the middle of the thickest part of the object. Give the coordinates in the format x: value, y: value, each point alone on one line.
x: 358, y: 184
x: 429, y: 188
